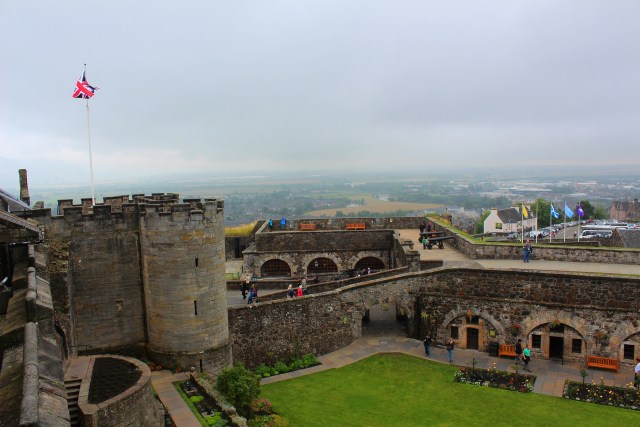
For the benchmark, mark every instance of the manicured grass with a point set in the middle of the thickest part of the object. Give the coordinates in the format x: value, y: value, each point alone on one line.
x: 401, y: 390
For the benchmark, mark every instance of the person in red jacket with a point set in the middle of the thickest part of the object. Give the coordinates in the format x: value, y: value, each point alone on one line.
x: 300, y: 291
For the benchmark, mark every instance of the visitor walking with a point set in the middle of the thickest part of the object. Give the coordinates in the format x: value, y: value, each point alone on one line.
x: 270, y: 224
x: 303, y: 283
x: 283, y: 222
x: 518, y: 351
x: 450, y: 345
x: 300, y: 291
x: 526, y: 355
x: 527, y: 251
x: 290, y: 291
x: 636, y: 377
x: 244, y: 288
x: 253, y: 294
x: 427, y: 345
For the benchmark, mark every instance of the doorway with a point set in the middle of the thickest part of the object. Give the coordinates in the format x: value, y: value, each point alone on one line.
x: 556, y: 347
x: 472, y: 338
x: 384, y: 320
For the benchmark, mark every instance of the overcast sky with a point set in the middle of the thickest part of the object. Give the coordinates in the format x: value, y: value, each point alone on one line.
x: 253, y: 86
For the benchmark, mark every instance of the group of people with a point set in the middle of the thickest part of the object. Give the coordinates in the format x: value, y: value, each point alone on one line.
x: 427, y: 227
x: 249, y: 291
x: 427, y: 347
x: 523, y: 354
x: 301, y: 290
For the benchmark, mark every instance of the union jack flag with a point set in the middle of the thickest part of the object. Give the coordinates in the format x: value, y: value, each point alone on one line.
x: 83, y: 89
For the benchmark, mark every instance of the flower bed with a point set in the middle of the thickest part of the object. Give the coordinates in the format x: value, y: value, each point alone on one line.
x: 603, y: 394
x: 207, y: 409
x: 496, y: 379
x: 306, y: 361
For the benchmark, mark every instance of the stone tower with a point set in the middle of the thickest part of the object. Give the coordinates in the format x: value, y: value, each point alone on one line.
x: 143, y: 276
x: 183, y: 268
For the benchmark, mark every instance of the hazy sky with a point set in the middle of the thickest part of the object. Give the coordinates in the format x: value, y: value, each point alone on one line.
x: 252, y: 86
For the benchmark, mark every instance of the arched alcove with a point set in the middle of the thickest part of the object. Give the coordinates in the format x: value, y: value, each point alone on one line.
x: 369, y: 262
x: 322, y: 266
x: 275, y: 268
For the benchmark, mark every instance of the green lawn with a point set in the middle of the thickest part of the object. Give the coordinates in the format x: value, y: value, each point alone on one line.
x: 401, y: 390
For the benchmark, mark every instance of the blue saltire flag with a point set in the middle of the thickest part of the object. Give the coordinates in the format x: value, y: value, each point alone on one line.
x: 554, y: 213
x: 580, y: 211
x: 567, y: 211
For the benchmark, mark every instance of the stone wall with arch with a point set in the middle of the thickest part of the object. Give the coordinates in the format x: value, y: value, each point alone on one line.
x: 299, y: 262
x: 327, y: 321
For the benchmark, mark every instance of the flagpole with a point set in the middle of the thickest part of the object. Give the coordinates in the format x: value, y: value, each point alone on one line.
x: 93, y: 199
x: 564, y: 230
x: 522, y: 222
x: 550, y: 220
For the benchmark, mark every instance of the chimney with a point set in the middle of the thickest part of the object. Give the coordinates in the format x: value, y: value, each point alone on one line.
x: 24, y: 187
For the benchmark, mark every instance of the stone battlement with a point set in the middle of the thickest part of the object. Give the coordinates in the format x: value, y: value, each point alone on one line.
x: 129, y: 209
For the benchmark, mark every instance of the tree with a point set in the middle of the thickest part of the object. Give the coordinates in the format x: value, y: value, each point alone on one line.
x: 600, y: 212
x: 542, y: 208
x: 239, y: 385
x: 587, y: 208
x: 479, y: 226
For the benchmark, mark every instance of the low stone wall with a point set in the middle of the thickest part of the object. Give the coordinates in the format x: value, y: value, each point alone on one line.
x: 135, y: 406
x: 602, y: 255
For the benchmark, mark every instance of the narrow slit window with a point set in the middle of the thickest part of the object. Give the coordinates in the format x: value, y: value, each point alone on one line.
x: 195, y: 307
x: 196, y: 262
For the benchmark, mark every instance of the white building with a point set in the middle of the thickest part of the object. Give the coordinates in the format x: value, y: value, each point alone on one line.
x: 509, y: 220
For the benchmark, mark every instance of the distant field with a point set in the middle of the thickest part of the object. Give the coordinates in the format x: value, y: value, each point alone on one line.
x: 376, y: 205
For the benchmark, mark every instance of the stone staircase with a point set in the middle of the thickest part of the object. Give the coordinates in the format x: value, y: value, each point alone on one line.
x: 73, y: 391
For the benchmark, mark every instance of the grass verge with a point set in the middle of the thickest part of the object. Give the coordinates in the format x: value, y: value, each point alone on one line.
x: 401, y: 390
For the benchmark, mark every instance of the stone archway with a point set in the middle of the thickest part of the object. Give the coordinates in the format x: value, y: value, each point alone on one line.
x: 275, y: 268
x: 322, y: 265
x: 385, y: 317
x: 623, y: 333
x: 374, y: 263
x: 482, y: 329
x: 550, y: 343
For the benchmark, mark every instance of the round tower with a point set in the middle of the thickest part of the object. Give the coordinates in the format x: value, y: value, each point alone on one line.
x: 183, y: 276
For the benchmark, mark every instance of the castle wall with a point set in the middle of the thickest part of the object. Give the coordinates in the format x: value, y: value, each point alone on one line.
x: 322, y: 323
x: 104, y: 279
x: 327, y: 241
x: 548, y: 253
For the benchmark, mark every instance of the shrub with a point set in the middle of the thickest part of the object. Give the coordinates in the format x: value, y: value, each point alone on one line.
x: 216, y: 420
x: 239, y: 385
x: 196, y: 399
x: 263, y: 370
x: 281, y: 367
x: 310, y: 360
x: 261, y: 406
x: 268, y: 421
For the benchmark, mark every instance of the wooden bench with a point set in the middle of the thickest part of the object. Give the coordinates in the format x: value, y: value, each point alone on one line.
x: 355, y: 226
x: 602, y: 362
x: 307, y: 227
x: 507, y: 350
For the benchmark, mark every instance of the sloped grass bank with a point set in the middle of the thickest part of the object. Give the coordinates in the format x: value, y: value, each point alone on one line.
x: 401, y: 390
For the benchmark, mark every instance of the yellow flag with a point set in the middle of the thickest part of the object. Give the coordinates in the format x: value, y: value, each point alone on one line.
x: 524, y: 211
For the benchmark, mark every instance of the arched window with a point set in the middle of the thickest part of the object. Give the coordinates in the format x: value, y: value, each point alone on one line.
x: 275, y: 267
x: 322, y: 265
x: 369, y: 262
